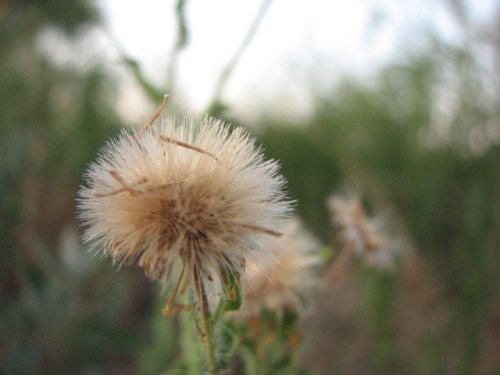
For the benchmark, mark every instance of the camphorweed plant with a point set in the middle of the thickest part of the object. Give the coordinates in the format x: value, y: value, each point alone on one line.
x: 275, y: 301
x: 192, y: 205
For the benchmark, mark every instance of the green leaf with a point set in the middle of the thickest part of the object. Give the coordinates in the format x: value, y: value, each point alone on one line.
x: 233, y: 293
x: 227, y: 345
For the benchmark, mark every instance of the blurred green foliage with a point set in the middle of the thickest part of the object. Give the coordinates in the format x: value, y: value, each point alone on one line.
x: 62, y: 311
x: 371, y: 139
x: 58, y: 311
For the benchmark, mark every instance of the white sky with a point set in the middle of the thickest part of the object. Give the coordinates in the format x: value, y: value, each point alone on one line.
x: 333, y: 37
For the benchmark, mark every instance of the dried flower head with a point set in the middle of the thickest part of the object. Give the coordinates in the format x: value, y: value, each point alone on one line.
x: 359, y: 233
x: 184, y: 200
x: 350, y: 218
x: 287, y: 283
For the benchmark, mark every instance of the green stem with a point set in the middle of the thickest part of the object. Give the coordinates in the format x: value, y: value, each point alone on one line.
x: 250, y: 361
x: 189, y: 344
x: 228, y: 70
x: 154, y: 93
x: 219, y: 311
x: 180, y: 43
x: 207, y: 336
x: 209, y: 345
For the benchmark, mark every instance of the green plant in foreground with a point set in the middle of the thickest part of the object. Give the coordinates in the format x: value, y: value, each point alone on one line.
x: 192, y: 205
x: 267, y: 325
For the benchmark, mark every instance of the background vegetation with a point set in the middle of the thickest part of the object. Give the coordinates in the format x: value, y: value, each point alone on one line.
x: 419, y: 142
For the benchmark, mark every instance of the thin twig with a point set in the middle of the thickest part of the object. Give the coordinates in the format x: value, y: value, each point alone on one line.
x: 155, y: 115
x: 151, y: 91
x: 114, y: 192
x: 133, y: 189
x: 164, y: 138
x: 228, y: 70
x: 258, y: 228
x: 121, y: 181
x: 180, y: 44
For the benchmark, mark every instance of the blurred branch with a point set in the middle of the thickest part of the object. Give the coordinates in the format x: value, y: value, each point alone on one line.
x: 181, y: 43
x: 458, y: 9
x: 182, y: 30
x: 216, y: 106
x: 154, y: 93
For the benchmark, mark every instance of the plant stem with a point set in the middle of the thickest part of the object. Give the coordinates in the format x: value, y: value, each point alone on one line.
x: 189, y: 344
x: 250, y: 360
x: 207, y: 336
x: 180, y: 43
x: 210, y: 346
x: 221, y: 307
x: 228, y: 70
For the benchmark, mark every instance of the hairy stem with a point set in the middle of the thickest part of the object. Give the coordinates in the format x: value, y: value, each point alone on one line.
x: 207, y: 336
x: 189, y: 345
x: 250, y: 361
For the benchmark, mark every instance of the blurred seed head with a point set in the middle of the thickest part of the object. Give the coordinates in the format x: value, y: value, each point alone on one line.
x: 362, y: 234
x: 288, y: 283
x: 181, y: 193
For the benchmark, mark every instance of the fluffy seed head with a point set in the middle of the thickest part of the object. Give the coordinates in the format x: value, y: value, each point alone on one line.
x: 289, y: 281
x: 184, y: 193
